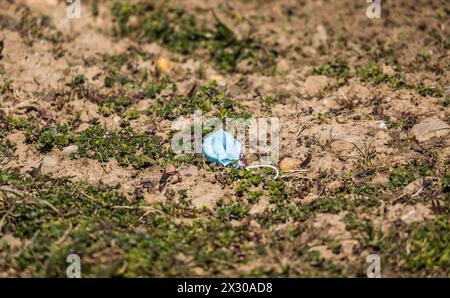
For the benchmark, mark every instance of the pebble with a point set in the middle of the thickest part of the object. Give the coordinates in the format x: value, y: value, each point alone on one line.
x: 164, y: 66
x: 70, y: 149
x: 429, y: 128
x: 287, y: 164
x: 382, y: 125
x: 49, y: 164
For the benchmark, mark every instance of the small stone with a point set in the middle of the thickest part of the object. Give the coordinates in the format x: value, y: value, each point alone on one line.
x: 382, y: 125
x: 309, y: 51
x: 413, y: 187
x: 133, y: 21
x: 70, y: 149
x: 412, y: 214
x: 235, y: 223
x: 49, y: 161
x: 382, y: 138
x: 164, y: 66
x: 198, y: 271
x: 49, y: 164
x: 330, y: 103
x: 181, y: 257
x: 117, y: 119
x: 429, y: 128
x: 287, y: 164
x: 314, y: 85
x: 408, y: 213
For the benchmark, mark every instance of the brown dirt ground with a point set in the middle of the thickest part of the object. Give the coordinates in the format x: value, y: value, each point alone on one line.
x: 319, y: 116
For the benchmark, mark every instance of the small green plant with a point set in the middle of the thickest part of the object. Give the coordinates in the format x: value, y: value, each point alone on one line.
x: 446, y: 182
x: 119, y: 78
x: 402, y: 175
x: 114, y: 104
x: 373, y: 73
x: 367, y: 153
x: 209, y: 97
x: 47, y: 138
x: 446, y: 102
x: 422, y: 250
x: 429, y: 91
x: 232, y: 210
x: 94, y: 10
x: 337, y: 69
x: 182, y: 32
x: 6, y: 87
x: 78, y: 81
x: 32, y: 27
x: 155, y: 88
x: 7, y: 148
x: 98, y: 143
x: 126, y: 147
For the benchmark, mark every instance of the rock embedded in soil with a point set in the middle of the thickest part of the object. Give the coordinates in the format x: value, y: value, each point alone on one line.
x: 430, y: 128
x: 309, y: 51
x: 70, y: 149
x: 314, y: 85
x: 414, y: 187
x: 288, y: 164
x: 49, y: 164
x: 411, y: 214
x: 164, y: 66
x: 408, y: 213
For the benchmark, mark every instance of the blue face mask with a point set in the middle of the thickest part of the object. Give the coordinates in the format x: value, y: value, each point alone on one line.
x: 221, y: 147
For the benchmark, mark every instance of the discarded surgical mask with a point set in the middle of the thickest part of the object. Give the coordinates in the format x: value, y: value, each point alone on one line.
x: 221, y: 147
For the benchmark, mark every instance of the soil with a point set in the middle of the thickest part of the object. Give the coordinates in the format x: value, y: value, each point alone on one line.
x: 366, y: 99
